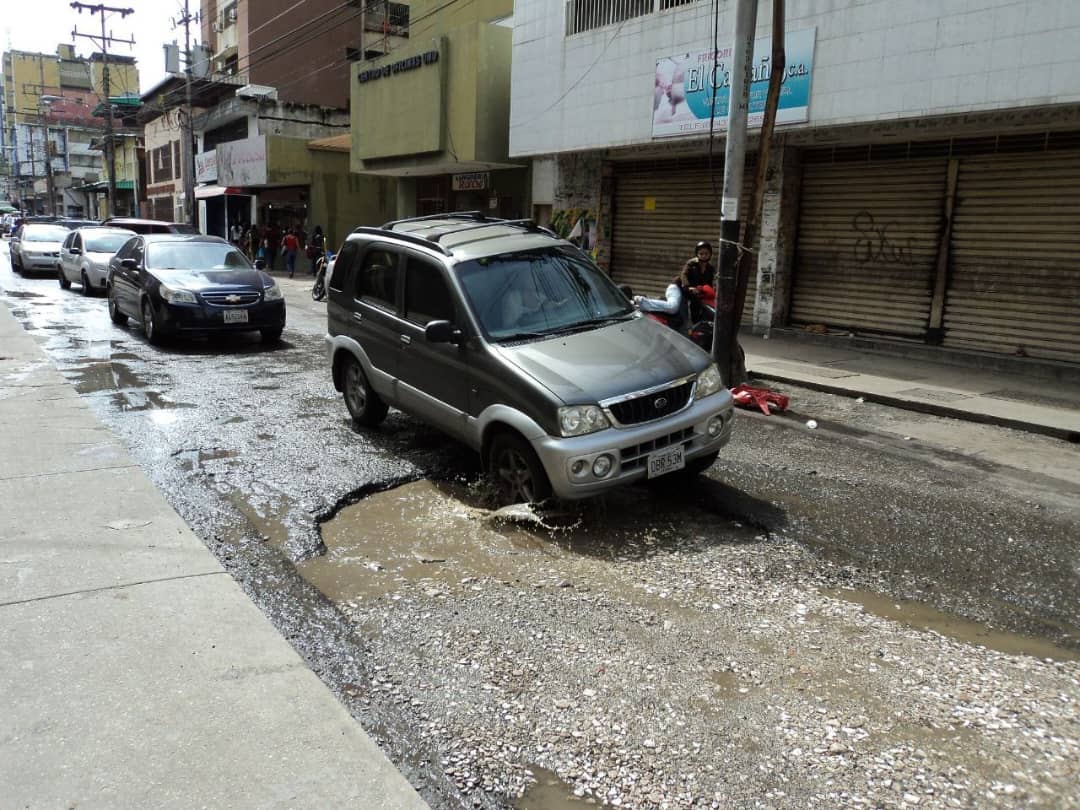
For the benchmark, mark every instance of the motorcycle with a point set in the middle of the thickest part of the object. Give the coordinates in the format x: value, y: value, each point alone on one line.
x: 322, y: 267
x: 700, y: 331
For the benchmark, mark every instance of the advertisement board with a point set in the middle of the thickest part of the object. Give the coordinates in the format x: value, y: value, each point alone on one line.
x: 689, y: 88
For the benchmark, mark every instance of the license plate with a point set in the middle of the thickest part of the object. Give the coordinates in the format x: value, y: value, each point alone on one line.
x: 667, y: 460
x: 236, y: 316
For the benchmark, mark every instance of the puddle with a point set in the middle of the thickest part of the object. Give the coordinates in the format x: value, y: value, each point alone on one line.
x: 150, y: 401
x: 413, y: 532
x: 550, y: 793
x: 103, y: 376
x: 22, y: 294
x: 925, y: 617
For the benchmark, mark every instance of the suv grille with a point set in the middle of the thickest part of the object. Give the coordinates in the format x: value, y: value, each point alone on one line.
x: 240, y: 298
x: 652, y: 406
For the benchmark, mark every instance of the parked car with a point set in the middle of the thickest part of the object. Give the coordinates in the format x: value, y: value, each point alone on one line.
x: 73, y: 223
x: 85, y: 255
x: 8, y: 223
x: 178, y: 284
x: 515, y: 343
x: 149, y: 225
x: 35, y: 247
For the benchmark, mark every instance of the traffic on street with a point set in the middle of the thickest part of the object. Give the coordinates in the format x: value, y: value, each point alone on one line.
x: 843, y: 615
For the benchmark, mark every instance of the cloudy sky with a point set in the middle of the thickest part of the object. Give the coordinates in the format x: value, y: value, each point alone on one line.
x: 41, y: 25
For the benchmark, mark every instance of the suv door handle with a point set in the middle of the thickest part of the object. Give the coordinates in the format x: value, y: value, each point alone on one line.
x: 356, y: 316
x: 406, y: 340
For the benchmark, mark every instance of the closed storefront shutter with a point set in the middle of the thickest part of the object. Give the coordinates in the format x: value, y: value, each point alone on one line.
x: 1014, y: 284
x: 867, y: 245
x: 661, y: 211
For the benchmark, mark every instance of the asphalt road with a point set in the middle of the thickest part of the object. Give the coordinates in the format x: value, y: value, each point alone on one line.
x: 376, y: 555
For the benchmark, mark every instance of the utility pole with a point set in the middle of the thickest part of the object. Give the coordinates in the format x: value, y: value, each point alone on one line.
x: 734, y: 158
x: 104, y: 41
x: 187, y: 143
x: 33, y: 168
x: 50, y: 182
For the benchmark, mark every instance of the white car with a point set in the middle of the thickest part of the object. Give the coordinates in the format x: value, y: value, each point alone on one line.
x: 35, y: 248
x: 85, y: 255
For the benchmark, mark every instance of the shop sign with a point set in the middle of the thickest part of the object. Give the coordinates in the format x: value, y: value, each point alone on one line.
x: 400, y: 66
x: 206, y: 167
x: 242, y: 163
x: 689, y: 86
x: 470, y: 181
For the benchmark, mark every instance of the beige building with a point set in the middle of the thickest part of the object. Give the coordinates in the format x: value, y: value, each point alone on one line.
x: 434, y: 113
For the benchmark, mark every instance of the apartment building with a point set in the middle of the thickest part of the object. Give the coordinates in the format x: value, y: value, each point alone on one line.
x: 926, y: 184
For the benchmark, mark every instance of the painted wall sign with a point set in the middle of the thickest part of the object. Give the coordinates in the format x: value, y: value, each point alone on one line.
x: 242, y: 163
x: 400, y: 66
x: 206, y: 166
x: 686, y: 88
x: 470, y: 181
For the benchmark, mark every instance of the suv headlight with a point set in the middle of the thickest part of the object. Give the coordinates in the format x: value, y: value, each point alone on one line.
x: 272, y: 293
x: 177, y: 296
x: 708, y: 382
x: 577, y: 420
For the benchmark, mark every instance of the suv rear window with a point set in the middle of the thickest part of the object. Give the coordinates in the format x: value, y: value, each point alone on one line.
x: 377, y: 279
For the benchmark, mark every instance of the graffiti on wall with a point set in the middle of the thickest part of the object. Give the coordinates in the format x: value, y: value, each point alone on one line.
x: 873, y: 244
x: 577, y: 225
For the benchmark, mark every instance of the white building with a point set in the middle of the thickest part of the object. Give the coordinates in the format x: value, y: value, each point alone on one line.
x: 926, y: 185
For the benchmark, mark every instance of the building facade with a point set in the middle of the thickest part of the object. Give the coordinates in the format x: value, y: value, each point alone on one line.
x: 51, y: 99
x: 433, y: 114
x: 924, y: 185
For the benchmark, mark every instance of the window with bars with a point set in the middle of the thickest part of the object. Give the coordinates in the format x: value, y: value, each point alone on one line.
x: 585, y: 15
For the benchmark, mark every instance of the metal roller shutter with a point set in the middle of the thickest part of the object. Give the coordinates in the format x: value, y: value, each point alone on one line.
x: 661, y: 212
x: 867, y: 245
x: 1015, y: 275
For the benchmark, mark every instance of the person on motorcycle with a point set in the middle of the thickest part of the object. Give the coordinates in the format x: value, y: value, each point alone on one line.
x: 698, y: 279
x: 672, y: 309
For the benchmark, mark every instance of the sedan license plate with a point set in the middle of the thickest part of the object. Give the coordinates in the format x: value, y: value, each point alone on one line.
x: 236, y: 316
x: 665, y: 461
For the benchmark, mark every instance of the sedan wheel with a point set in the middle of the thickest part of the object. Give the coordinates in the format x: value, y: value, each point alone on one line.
x: 117, y: 317
x: 86, y: 288
x: 64, y: 283
x: 516, y: 472
x: 149, y: 323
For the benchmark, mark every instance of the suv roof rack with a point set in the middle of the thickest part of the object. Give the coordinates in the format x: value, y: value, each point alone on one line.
x: 527, y: 224
x: 452, y: 215
x: 404, y: 237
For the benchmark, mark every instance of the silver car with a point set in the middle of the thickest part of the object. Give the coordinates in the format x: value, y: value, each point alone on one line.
x: 85, y: 255
x: 36, y: 247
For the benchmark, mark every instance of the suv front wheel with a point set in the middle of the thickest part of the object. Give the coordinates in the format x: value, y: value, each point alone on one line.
x: 516, y: 471
x: 365, y: 406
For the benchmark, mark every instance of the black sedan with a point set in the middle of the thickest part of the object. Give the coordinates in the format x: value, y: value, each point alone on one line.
x: 179, y: 284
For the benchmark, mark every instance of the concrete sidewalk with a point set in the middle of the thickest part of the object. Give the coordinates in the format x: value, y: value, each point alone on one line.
x: 992, y: 397
x: 134, y: 671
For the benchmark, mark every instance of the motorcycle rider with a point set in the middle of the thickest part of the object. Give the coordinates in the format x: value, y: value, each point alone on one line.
x: 672, y: 309
x: 698, y: 279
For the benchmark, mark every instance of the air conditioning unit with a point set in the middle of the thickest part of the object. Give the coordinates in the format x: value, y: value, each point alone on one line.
x: 230, y: 14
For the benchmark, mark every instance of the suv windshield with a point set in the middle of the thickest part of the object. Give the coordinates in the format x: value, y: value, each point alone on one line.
x: 105, y: 242
x: 195, y: 256
x: 539, y: 292
x: 44, y: 233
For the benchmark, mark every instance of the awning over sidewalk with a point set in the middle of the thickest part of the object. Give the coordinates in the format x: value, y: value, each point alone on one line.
x: 203, y: 192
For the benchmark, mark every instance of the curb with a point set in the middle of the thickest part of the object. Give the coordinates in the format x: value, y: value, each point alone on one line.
x: 934, y: 409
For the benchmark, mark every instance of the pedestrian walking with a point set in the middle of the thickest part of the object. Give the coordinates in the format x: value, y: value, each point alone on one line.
x: 290, y: 246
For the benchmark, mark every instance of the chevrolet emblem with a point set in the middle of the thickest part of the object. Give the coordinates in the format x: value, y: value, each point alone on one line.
x: 233, y: 299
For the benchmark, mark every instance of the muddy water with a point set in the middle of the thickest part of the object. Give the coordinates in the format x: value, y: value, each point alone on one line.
x: 550, y: 793
x: 925, y: 617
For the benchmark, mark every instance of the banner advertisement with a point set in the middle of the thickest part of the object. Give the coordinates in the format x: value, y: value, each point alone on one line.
x: 685, y: 85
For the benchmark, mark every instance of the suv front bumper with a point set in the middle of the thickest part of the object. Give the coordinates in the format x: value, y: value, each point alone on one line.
x: 630, y: 447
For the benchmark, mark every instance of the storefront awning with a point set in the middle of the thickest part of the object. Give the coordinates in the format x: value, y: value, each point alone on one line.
x: 202, y: 192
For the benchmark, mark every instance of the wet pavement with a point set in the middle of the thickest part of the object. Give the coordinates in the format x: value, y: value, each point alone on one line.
x: 468, y: 641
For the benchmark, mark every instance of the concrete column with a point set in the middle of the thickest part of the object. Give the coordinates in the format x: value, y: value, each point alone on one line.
x: 779, y: 227
x: 406, y: 197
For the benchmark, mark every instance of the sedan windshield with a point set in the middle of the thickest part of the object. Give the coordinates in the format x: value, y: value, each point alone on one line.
x: 44, y: 233
x: 106, y: 242
x: 195, y: 256
x: 540, y: 292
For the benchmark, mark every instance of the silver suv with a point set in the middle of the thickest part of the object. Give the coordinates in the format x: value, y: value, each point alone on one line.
x: 514, y: 342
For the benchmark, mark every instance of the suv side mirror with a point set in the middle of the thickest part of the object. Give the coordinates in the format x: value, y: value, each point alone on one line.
x: 260, y: 264
x: 443, y: 332
x: 75, y: 251
x: 129, y: 264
